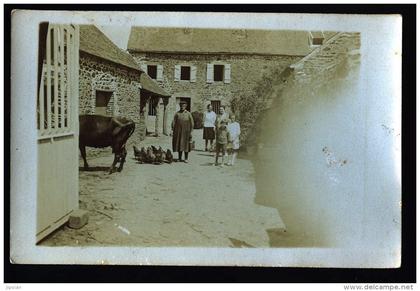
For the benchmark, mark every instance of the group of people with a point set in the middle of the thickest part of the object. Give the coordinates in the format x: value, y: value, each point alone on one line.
x: 225, y: 130
x: 221, y: 128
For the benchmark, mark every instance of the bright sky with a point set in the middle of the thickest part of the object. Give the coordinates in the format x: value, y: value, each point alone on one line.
x: 118, y: 34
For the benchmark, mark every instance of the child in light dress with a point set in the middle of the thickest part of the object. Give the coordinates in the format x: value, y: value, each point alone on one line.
x: 234, y: 130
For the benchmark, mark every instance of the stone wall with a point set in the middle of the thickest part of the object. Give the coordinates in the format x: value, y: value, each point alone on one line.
x: 332, y: 60
x: 98, y: 74
x: 308, y: 76
x: 310, y: 154
x: 247, y: 72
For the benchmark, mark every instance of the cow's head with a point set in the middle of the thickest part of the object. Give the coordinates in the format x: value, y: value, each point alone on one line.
x: 121, y: 133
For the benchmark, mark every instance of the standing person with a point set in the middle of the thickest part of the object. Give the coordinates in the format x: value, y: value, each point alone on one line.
x: 182, y: 127
x: 234, y: 130
x: 222, y: 138
x: 223, y: 116
x: 209, y: 125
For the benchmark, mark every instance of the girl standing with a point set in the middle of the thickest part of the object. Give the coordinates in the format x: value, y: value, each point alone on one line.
x: 234, y: 130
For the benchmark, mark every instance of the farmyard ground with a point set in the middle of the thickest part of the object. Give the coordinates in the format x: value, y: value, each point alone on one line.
x: 178, y: 204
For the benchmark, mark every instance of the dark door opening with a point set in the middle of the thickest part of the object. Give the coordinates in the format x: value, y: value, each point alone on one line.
x: 216, y: 106
x: 102, y: 100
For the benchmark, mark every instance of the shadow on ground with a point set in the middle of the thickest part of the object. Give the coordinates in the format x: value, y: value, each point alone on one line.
x: 94, y: 169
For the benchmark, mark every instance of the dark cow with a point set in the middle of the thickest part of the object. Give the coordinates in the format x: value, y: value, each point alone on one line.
x: 102, y: 131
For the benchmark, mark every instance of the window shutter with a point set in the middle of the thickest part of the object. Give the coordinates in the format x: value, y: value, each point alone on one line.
x: 143, y: 68
x: 227, y: 73
x: 210, y: 77
x: 193, y: 74
x: 159, y: 76
x: 177, y: 76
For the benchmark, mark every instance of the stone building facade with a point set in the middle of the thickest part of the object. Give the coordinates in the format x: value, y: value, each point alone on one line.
x: 111, y: 82
x: 122, y: 84
x: 245, y: 74
x: 203, y: 66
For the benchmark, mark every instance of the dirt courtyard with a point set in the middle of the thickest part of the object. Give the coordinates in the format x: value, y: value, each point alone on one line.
x: 178, y: 204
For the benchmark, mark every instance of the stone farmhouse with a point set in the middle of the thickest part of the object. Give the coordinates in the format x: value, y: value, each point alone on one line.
x: 218, y: 67
x: 111, y: 82
x: 232, y: 67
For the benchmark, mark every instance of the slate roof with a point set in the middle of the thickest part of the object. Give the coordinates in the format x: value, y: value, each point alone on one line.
x: 93, y: 41
x: 229, y: 41
x: 151, y: 86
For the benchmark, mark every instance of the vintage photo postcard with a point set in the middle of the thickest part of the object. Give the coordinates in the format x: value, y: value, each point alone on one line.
x: 237, y: 139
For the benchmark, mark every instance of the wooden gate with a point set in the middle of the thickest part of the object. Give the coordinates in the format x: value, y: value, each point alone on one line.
x: 57, y: 119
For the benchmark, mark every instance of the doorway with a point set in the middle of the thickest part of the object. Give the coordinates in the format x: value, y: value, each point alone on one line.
x: 216, y: 106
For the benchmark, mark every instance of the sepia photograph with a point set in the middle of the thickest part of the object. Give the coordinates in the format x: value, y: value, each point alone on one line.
x: 252, y: 144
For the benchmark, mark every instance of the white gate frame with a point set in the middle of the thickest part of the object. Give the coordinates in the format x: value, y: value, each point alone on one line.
x: 58, y: 129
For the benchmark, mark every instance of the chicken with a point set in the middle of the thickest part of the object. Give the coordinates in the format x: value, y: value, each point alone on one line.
x: 163, y: 154
x: 154, y: 149
x: 143, y: 154
x: 158, y: 153
x: 140, y: 155
x: 136, y: 151
x: 169, y: 157
x: 150, y: 157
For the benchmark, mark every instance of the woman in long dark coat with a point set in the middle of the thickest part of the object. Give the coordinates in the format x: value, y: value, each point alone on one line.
x: 182, y: 127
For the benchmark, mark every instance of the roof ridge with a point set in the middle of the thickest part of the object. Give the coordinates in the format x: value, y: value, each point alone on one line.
x: 211, y: 40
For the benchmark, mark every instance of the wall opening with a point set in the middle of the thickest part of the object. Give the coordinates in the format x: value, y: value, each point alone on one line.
x: 152, y: 71
x: 102, y: 101
x: 216, y: 106
x: 185, y: 73
x: 219, y: 72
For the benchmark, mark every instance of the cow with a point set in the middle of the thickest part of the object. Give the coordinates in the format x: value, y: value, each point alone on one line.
x: 103, y: 131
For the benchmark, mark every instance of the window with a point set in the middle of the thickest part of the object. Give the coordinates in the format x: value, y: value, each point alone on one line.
x: 185, y: 73
x: 152, y: 71
x: 155, y: 71
x: 316, y: 38
x: 102, y: 100
x: 218, y: 72
x: 216, y: 106
x: 317, y: 41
